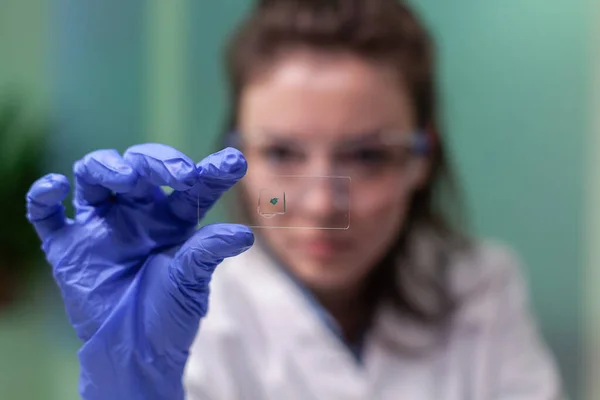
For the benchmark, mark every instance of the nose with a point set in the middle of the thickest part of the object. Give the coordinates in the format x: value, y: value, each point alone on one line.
x: 318, y: 200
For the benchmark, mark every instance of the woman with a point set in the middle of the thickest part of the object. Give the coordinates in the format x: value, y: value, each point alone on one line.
x: 401, y: 305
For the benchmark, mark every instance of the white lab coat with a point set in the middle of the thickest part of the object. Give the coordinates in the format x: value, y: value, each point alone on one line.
x: 262, y: 340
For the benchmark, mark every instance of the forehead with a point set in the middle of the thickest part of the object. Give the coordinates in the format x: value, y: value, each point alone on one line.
x: 324, y: 95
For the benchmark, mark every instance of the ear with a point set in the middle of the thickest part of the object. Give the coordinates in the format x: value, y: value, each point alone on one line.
x: 420, y: 172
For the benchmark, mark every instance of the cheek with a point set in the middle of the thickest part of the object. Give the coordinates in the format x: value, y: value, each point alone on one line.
x: 372, y: 231
x: 379, y: 218
x: 376, y: 228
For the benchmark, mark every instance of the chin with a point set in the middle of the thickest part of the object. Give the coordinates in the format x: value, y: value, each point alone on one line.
x: 327, y: 261
x: 333, y: 275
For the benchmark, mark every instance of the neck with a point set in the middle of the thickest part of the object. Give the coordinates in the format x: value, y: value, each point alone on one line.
x: 349, y: 307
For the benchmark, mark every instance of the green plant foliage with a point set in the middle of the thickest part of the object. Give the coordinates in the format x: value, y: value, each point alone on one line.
x: 22, y: 150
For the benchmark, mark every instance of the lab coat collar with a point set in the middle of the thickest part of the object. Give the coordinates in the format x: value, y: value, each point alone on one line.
x: 286, y: 307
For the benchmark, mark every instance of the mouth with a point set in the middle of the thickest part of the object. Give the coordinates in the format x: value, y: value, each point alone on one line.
x: 324, y: 247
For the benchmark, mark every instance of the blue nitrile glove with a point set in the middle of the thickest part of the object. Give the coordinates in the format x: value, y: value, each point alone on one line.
x: 132, y: 269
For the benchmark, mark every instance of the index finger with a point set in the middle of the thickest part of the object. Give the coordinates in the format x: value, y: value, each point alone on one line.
x: 159, y: 165
x: 217, y: 173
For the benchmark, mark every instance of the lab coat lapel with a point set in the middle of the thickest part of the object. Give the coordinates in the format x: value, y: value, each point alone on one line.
x: 306, y: 357
x: 297, y: 335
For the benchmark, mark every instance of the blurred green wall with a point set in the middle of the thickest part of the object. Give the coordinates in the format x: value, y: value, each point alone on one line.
x: 516, y: 81
x: 592, y: 275
x: 23, y: 51
x: 515, y: 78
x: 98, y: 76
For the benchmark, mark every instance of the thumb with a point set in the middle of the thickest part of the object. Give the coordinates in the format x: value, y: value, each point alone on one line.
x: 177, y: 288
x: 192, y: 267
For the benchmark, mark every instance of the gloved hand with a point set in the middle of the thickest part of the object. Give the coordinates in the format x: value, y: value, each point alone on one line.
x: 132, y: 268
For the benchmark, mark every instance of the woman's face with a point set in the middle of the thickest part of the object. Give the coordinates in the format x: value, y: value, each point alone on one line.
x: 320, y: 114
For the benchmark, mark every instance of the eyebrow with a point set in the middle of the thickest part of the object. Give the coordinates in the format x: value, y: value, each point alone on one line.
x: 370, y: 137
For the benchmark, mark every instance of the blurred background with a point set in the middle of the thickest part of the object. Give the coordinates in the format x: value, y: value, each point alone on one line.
x: 521, y: 90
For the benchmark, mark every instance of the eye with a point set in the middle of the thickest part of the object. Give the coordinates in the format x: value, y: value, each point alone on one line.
x: 369, y: 160
x: 280, y: 154
x: 368, y: 157
x: 371, y: 156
